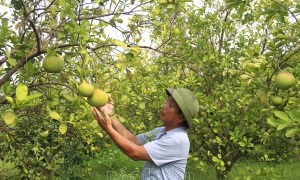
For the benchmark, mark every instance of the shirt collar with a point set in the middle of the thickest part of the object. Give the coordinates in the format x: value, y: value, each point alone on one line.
x: 179, y: 129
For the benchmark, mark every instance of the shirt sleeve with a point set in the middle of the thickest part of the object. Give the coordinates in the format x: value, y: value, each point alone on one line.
x: 163, y: 151
x: 143, y: 137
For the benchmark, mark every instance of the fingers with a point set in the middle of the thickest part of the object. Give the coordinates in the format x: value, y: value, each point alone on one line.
x: 94, y: 111
x: 97, y: 114
x: 110, y: 100
x: 101, y: 108
x: 105, y: 113
x: 94, y: 114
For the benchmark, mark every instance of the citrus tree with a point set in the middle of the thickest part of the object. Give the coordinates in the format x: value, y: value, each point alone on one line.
x: 48, y: 49
x: 233, y: 54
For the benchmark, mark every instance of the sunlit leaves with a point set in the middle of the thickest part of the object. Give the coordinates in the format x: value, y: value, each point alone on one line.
x: 239, y: 5
x: 10, y: 100
x: 286, y: 121
x: 10, y: 117
x: 142, y: 105
x: 63, y: 127
x: 282, y: 115
x: 31, y: 97
x: 297, y: 9
x: 276, y: 9
x: 22, y: 92
x: 54, y: 115
x: 120, y: 43
x: 292, y: 132
x: 22, y: 97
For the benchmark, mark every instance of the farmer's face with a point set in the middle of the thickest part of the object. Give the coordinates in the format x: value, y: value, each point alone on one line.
x: 170, y: 112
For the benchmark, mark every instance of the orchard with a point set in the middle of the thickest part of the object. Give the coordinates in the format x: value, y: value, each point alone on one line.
x: 59, y: 58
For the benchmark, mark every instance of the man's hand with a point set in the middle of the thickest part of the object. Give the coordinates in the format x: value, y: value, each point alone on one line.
x: 108, y: 108
x: 104, y: 121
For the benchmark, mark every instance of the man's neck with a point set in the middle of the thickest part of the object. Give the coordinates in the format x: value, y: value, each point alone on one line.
x: 168, y: 128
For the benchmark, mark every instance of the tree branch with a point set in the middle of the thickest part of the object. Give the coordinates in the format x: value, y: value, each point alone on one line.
x: 223, y: 32
x: 36, y: 34
x: 288, y: 11
x: 21, y: 63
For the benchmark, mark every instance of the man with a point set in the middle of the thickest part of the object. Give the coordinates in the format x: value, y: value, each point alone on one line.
x: 164, y: 149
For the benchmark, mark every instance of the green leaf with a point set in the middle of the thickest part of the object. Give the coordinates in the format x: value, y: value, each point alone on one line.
x: 281, y: 18
x: 7, y: 53
x: 297, y: 10
x: 270, y: 16
x: 156, y: 11
x: 294, y: 115
x: 163, y: 1
x: 142, y: 105
x: 215, y: 159
x: 119, y: 20
x: 31, y: 97
x: 271, y: 121
x: 242, y: 8
x: 170, y: 6
x: 135, y: 48
x: 12, y: 61
x: 291, y: 132
x: 281, y: 126
x: 119, y: 43
x: 9, y: 117
x: 242, y: 144
x: 121, y: 119
x: 129, y: 56
x: 63, y: 127
x: 222, y: 163
x: 54, y: 115
x: 282, y: 115
x: 10, y: 100
x: 21, y: 92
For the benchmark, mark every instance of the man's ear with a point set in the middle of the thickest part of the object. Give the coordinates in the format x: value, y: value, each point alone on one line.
x: 182, y: 118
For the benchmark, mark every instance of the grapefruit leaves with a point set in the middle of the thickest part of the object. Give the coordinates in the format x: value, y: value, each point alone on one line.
x: 22, y: 97
x: 286, y: 121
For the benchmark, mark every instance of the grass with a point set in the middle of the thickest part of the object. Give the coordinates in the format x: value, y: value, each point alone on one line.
x: 112, y: 164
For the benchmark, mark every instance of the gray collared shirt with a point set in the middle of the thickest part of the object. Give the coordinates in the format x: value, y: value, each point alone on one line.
x: 168, y: 151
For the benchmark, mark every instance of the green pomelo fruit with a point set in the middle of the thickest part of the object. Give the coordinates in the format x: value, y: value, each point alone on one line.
x: 277, y: 101
x: 53, y: 63
x: 285, y: 80
x: 98, y: 99
x: 85, y: 89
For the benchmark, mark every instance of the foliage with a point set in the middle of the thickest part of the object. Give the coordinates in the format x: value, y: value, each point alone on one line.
x: 249, y: 169
x: 227, y: 52
x: 231, y: 60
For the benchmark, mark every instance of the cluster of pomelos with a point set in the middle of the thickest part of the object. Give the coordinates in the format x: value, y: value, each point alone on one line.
x: 95, y: 97
x: 283, y: 81
x: 54, y: 63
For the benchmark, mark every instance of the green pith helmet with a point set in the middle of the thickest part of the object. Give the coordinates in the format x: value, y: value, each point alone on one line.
x: 187, y: 102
